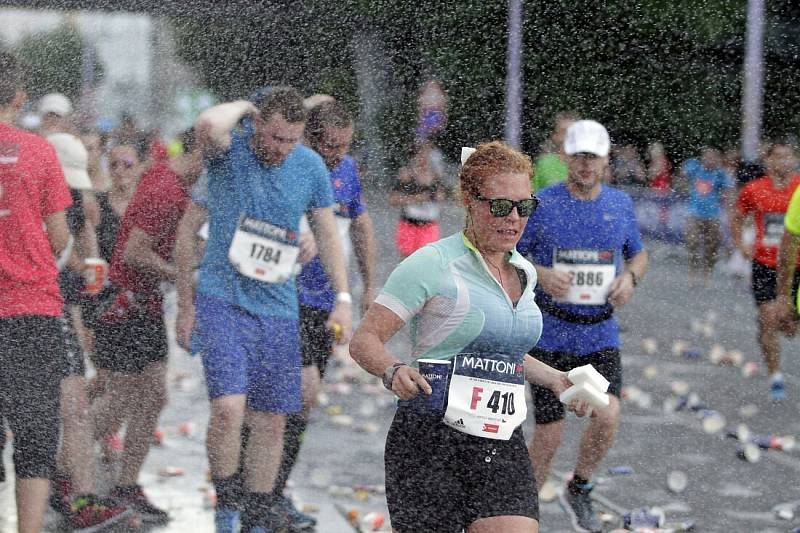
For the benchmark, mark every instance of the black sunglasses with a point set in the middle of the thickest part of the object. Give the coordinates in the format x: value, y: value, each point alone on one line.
x: 502, y: 207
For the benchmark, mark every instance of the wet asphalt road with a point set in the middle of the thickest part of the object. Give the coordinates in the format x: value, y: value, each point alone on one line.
x: 724, y: 493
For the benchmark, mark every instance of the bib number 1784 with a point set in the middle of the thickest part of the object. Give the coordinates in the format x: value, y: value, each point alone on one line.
x: 494, y: 401
x: 265, y: 253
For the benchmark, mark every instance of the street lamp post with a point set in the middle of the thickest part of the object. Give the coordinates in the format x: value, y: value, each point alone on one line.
x: 753, y: 80
x: 514, y: 74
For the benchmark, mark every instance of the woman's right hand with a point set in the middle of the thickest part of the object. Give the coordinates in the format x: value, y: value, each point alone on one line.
x: 407, y: 383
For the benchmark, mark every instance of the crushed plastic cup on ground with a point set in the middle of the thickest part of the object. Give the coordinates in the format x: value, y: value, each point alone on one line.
x: 748, y: 410
x: 650, y: 372
x: 750, y: 369
x: 549, y: 491
x: 171, y: 471
x: 733, y: 358
x: 743, y: 433
x: 368, y: 428
x: 707, y: 330
x: 716, y: 353
x: 209, y: 498
x: 334, y: 410
x: 679, y: 388
x: 340, y: 492
x: 342, y: 420
x: 188, y: 429
x: 784, y: 511
x: 678, y: 347
x: 622, y: 470
x: 158, y: 437
x: 713, y: 423
x: 649, y: 345
x: 373, y: 521
x: 748, y: 452
x: 677, y: 481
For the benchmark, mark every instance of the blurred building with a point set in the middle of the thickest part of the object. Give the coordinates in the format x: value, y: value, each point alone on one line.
x: 143, y: 75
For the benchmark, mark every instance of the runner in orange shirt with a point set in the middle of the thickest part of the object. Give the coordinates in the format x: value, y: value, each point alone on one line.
x: 766, y: 199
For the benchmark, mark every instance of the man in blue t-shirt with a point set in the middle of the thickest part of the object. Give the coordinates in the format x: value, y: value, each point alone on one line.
x: 709, y: 188
x: 587, y: 249
x: 261, y: 182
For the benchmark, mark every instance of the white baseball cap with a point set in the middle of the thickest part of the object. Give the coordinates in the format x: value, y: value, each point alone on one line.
x: 587, y: 136
x: 55, y: 103
x: 73, y: 158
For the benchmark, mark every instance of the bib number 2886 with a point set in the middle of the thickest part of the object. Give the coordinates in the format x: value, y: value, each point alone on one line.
x: 494, y: 402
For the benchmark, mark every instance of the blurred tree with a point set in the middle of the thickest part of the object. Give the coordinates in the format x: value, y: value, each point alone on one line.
x: 650, y: 70
x: 56, y: 59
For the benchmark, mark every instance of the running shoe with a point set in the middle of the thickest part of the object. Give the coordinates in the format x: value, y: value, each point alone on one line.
x: 91, y: 513
x: 61, y: 494
x: 577, y: 503
x: 227, y: 520
x: 777, y: 389
x: 135, y: 498
x: 298, y: 520
x: 274, y: 521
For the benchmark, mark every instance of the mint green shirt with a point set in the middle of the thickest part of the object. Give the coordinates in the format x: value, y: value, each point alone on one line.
x: 454, y: 305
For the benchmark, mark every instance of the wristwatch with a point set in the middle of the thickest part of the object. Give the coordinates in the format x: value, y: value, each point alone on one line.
x: 388, y: 374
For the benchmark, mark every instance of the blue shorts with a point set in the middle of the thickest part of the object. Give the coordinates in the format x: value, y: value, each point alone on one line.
x: 248, y: 354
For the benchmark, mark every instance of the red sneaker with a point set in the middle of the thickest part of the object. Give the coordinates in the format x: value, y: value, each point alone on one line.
x: 91, y: 513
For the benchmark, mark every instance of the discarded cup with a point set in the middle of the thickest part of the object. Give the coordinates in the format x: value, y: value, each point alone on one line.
x: 642, y: 518
x: 748, y: 411
x: 748, y: 452
x: 713, y: 423
x: 549, y: 491
x: 650, y: 372
x: 750, y: 369
x: 373, y: 521
x: 678, y: 347
x: 623, y: 470
x: 677, y: 481
x: 716, y: 353
x: 649, y: 346
x: 679, y: 388
x: 784, y: 511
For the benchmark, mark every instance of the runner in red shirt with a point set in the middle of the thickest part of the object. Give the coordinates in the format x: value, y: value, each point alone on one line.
x: 131, y: 341
x: 34, y: 241
x: 766, y: 200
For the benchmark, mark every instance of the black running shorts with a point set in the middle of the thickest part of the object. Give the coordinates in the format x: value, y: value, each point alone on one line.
x: 764, y: 283
x: 32, y: 362
x: 547, y: 407
x: 441, y: 480
x: 130, y: 346
x: 316, y: 340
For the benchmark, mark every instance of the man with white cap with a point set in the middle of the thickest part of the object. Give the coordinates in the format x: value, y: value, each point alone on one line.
x: 54, y: 111
x: 587, y: 249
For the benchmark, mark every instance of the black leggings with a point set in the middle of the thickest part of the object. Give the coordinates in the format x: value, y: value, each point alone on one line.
x: 32, y: 357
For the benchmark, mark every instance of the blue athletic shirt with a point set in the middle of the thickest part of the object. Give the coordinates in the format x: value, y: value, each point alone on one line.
x: 240, y: 184
x: 607, y: 223
x: 705, y: 189
x: 313, y: 286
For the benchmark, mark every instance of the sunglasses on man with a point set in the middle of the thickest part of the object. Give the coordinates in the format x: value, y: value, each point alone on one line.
x: 502, y: 207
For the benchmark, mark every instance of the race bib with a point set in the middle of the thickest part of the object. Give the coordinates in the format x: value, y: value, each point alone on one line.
x: 592, y: 271
x: 486, y: 396
x: 263, y: 252
x: 773, y: 229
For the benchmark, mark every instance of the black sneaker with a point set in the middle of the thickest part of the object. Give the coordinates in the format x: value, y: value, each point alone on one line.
x: 135, y: 498
x: 298, y: 520
x: 577, y: 503
x: 276, y: 520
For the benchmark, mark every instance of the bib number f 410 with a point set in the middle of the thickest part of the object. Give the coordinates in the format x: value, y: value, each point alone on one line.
x: 494, y: 402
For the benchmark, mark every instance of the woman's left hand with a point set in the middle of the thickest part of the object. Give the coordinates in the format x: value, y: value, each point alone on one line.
x: 561, y: 383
